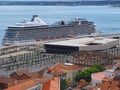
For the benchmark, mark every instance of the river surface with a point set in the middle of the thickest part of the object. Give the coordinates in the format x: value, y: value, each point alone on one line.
x: 106, y: 18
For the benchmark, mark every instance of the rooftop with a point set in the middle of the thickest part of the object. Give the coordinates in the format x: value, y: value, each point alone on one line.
x: 26, y: 84
x: 42, y: 80
x: 108, y: 85
x: 6, y: 80
x: 53, y: 84
x: 66, y: 66
x: 55, y: 72
x: 98, y: 76
x: 19, y: 74
x: 22, y: 72
x: 23, y: 86
x: 93, y: 54
x: 82, y: 84
x: 60, y: 68
x: 85, y: 44
x: 83, y: 41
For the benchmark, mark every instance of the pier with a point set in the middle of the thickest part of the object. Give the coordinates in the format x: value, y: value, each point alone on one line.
x: 115, y: 35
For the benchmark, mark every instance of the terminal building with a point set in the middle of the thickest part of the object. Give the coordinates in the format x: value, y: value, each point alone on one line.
x: 81, y: 44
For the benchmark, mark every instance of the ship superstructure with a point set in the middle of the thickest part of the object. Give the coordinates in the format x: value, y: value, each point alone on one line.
x: 38, y: 30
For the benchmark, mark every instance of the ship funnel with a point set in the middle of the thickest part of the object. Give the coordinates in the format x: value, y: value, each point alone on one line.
x: 34, y: 16
x: 38, y: 20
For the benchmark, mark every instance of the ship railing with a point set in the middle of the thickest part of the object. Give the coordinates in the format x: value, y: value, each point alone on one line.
x: 24, y: 42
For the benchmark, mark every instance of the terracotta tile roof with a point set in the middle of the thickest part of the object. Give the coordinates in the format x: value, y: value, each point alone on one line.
x: 93, y: 55
x: 117, y: 78
x: 98, y: 76
x: 106, y: 79
x: 20, y: 81
x: 56, y: 72
x: 27, y: 83
x: 76, y: 89
x: 82, y: 84
x: 63, y: 66
x: 23, y: 86
x: 108, y: 85
x: 42, y: 80
x: 41, y: 72
x: 20, y: 73
x: 59, y: 72
x: 60, y: 68
x: 114, y: 86
x: 52, y: 84
x: 118, y: 64
x: 6, y: 80
x: 36, y: 80
x: 28, y: 74
x: 34, y: 75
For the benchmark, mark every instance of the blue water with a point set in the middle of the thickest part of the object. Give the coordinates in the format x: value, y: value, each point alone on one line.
x: 106, y: 18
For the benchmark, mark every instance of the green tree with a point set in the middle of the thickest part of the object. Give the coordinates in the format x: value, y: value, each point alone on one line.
x: 63, y: 84
x: 86, y: 74
x: 99, y: 67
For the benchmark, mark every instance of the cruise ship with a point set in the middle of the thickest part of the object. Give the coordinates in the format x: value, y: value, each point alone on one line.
x: 38, y: 30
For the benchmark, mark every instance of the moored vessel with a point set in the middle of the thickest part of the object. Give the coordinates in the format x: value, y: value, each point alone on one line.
x: 38, y: 30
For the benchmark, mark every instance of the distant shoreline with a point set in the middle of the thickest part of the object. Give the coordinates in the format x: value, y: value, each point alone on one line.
x: 60, y: 3
x: 116, y: 5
